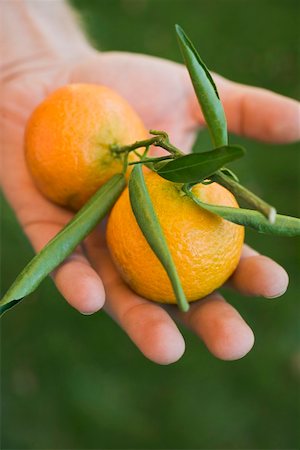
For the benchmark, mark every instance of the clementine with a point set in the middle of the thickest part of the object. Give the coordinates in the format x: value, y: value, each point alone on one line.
x: 205, y: 248
x: 68, y: 139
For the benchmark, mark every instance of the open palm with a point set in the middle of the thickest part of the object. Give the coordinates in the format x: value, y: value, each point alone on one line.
x: 161, y: 93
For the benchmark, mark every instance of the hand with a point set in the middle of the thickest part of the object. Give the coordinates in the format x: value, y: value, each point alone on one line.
x: 161, y: 93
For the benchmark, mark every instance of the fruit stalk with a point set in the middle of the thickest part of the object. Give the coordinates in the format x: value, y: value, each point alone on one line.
x: 161, y: 139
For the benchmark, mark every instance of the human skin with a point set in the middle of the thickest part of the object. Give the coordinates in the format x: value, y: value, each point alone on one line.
x: 45, y: 57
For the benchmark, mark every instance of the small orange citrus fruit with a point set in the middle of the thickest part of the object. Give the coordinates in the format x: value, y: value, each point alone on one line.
x: 68, y: 138
x: 205, y: 248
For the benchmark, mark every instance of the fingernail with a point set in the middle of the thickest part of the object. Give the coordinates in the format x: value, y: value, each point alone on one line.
x: 276, y: 295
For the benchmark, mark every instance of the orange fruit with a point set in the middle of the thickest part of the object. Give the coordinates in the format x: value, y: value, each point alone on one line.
x: 68, y: 138
x: 205, y: 248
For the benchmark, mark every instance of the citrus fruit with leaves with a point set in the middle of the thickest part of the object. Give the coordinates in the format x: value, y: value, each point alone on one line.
x: 68, y: 141
x: 205, y: 248
x: 81, y: 139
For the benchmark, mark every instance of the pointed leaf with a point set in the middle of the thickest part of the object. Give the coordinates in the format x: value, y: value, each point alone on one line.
x: 205, y: 90
x: 198, y: 166
x: 149, y: 224
x: 64, y: 242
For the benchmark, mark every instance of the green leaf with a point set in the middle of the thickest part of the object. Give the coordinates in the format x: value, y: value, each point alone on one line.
x: 198, y: 166
x: 64, y: 242
x: 149, y: 224
x: 205, y: 90
x: 283, y: 225
x: 213, y: 112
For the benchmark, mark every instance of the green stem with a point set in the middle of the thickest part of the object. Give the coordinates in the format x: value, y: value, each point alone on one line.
x: 161, y: 139
x: 164, y: 142
x: 148, y: 160
x: 170, y: 148
x: 244, y: 194
x: 283, y: 225
x: 130, y: 148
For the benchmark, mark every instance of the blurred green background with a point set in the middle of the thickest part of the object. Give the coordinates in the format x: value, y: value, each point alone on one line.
x: 77, y: 382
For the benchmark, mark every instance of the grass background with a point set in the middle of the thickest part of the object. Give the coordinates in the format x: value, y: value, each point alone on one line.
x: 76, y: 382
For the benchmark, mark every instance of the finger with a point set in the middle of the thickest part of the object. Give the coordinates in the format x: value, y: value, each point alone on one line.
x: 258, y: 113
x: 258, y: 275
x: 147, y: 324
x: 75, y: 278
x: 220, y: 326
x: 80, y: 284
